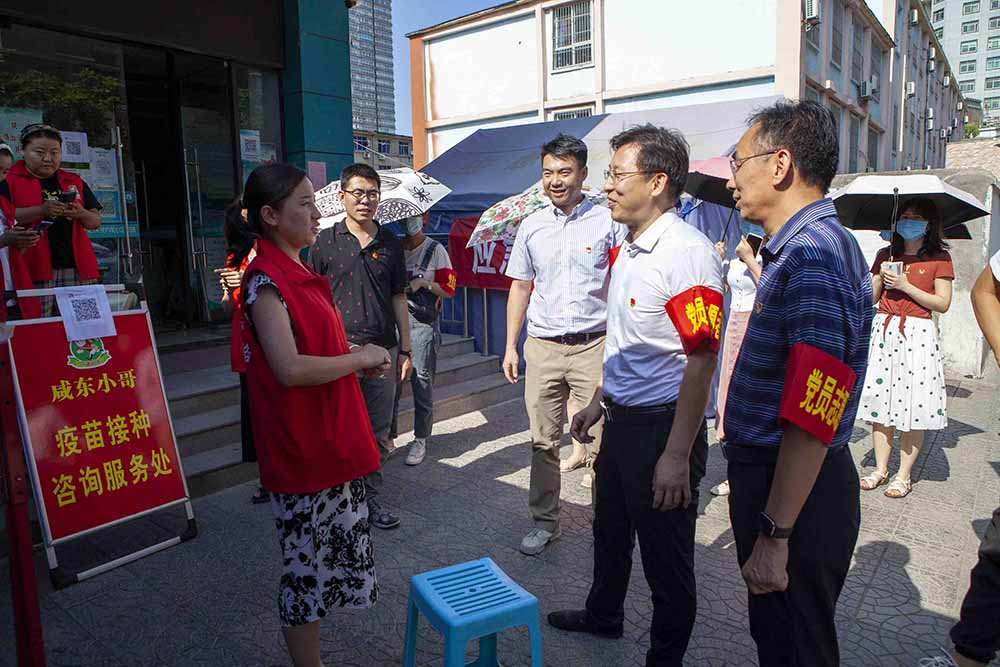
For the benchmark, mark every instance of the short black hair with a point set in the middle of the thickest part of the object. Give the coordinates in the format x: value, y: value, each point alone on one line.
x: 807, y: 130
x: 661, y: 151
x: 359, y: 169
x: 564, y: 146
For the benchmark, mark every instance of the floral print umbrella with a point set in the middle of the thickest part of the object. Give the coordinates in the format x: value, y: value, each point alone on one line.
x: 405, y: 193
x: 501, y: 221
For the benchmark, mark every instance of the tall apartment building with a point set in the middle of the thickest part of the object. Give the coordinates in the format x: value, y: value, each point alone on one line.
x: 372, y: 89
x: 584, y: 57
x: 970, y: 33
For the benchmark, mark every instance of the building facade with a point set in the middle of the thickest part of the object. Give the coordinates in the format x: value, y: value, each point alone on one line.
x: 969, y: 30
x: 166, y: 108
x: 586, y: 57
x: 372, y: 85
x: 382, y: 150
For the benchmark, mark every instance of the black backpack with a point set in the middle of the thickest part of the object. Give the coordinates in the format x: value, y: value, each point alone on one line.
x: 425, y: 306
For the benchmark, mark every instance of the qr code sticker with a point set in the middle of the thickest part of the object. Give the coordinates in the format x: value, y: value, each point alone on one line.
x: 85, y: 310
x: 72, y: 148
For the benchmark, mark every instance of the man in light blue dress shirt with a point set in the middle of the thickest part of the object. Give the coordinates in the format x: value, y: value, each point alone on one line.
x: 560, y: 266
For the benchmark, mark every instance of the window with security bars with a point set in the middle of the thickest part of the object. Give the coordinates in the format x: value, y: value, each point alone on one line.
x: 967, y: 67
x: 970, y: 27
x: 857, y: 52
x: 970, y: 8
x: 876, y: 69
x: 566, y: 114
x: 571, y: 36
x: 969, y: 47
x: 384, y: 146
x: 837, y: 34
x: 873, y: 138
x: 854, y: 138
x: 362, y: 144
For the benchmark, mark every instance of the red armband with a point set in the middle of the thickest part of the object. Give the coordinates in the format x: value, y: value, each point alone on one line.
x: 817, y: 387
x: 447, y: 279
x: 613, y: 255
x: 697, y: 316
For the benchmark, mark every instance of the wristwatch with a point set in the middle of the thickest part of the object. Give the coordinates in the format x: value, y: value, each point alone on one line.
x: 767, y: 526
x: 403, y: 353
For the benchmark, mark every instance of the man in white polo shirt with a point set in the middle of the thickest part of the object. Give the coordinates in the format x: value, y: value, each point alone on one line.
x: 560, y: 267
x: 664, y: 317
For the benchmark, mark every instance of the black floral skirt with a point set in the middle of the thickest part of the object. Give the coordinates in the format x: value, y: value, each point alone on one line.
x: 327, y: 553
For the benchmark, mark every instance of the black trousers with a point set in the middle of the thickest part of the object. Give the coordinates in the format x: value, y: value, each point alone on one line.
x: 796, y: 628
x: 246, y: 431
x: 977, y: 633
x: 623, y: 507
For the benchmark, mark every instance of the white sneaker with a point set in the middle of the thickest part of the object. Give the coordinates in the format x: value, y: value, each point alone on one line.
x: 418, y: 450
x: 721, y: 489
x: 535, y: 542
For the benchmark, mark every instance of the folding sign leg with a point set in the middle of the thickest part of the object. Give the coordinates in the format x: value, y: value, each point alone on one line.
x: 14, y: 494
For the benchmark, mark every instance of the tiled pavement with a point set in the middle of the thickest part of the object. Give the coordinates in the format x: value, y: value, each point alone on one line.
x: 212, y: 601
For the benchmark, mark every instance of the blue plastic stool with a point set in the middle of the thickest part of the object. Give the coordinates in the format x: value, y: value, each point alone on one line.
x: 473, y: 600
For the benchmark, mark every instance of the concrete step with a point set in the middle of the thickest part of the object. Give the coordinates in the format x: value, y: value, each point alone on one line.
x: 201, y: 390
x: 212, y: 468
x: 463, y: 397
x: 456, y: 369
x: 453, y: 346
x: 184, y: 360
x: 206, y: 430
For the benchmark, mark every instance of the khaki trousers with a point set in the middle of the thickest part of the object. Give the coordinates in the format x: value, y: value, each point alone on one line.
x: 557, y: 376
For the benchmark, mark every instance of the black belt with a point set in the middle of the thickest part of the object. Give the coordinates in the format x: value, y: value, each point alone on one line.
x: 575, y: 338
x: 757, y: 455
x: 642, y: 414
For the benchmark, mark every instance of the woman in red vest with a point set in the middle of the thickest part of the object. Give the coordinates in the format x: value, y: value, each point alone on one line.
x: 230, y: 279
x: 311, y: 431
x: 14, y: 275
x: 41, y: 191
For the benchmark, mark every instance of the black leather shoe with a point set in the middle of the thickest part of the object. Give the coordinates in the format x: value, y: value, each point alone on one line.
x: 572, y: 620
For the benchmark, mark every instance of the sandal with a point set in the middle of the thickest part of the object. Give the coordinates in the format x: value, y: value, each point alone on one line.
x: 873, y: 480
x: 899, y: 488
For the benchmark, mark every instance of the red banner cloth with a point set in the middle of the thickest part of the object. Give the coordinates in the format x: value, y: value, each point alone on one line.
x: 481, y: 266
x: 99, y: 436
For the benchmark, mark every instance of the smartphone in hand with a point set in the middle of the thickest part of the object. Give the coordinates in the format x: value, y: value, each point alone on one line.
x: 755, y: 242
x: 66, y: 197
x: 41, y: 226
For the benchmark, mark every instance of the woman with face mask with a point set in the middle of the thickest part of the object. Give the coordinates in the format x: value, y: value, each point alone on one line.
x: 904, y: 387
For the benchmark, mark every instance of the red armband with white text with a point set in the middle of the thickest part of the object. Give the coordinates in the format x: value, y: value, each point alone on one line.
x: 697, y: 316
x: 817, y: 388
x: 447, y: 279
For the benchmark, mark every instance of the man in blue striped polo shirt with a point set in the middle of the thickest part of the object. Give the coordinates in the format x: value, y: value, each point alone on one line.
x: 794, y: 504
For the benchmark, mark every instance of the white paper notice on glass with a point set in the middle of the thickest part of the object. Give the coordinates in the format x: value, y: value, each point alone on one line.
x: 85, y: 312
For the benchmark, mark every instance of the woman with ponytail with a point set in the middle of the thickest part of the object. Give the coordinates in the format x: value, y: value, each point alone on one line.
x: 230, y: 277
x: 310, y: 428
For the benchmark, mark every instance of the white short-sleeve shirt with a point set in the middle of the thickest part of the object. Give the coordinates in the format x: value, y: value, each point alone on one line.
x: 741, y: 285
x: 644, y: 358
x: 995, y: 265
x: 567, y: 257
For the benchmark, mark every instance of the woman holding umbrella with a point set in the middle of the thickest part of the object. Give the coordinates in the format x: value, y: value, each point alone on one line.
x: 904, y: 387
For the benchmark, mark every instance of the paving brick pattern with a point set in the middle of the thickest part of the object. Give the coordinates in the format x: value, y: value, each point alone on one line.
x: 212, y: 601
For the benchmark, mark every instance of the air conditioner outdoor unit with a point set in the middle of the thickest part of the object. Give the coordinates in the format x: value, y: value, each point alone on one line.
x: 960, y: 105
x: 930, y: 124
x: 931, y: 53
x: 965, y: 119
x: 944, y: 133
x: 914, y: 16
x: 811, y: 12
x: 930, y: 112
x: 931, y: 65
x: 954, y: 122
x: 829, y: 85
x: 911, y: 88
x: 946, y: 81
x: 866, y: 90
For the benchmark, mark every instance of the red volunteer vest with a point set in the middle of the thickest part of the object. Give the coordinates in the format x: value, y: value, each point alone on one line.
x: 26, y: 191
x: 30, y: 307
x: 308, y: 438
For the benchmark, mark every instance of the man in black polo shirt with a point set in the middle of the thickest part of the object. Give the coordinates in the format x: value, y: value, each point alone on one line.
x: 367, y: 272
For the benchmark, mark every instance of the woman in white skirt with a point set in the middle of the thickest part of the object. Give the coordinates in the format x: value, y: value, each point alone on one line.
x: 904, y: 387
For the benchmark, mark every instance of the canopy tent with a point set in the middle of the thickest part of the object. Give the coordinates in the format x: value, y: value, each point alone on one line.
x: 490, y: 165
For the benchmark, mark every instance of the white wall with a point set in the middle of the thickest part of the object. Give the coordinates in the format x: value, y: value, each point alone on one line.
x: 493, y: 67
x: 441, y: 139
x: 702, y: 95
x: 652, y: 42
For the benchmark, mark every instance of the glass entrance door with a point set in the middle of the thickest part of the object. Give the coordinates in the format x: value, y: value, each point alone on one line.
x: 207, y: 137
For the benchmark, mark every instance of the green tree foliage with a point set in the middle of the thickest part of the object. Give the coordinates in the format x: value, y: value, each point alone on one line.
x: 82, y: 103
